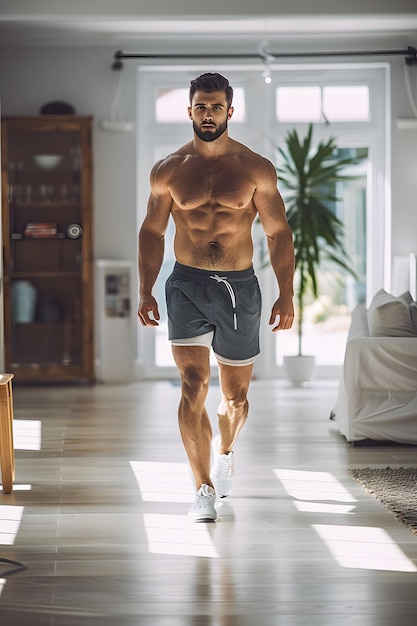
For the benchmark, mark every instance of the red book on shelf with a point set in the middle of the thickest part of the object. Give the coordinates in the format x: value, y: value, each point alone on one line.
x: 41, y: 229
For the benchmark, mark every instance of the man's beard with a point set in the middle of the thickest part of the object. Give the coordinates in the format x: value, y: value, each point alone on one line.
x: 209, y: 135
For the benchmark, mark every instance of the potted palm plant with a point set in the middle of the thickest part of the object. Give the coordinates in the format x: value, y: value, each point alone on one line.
x: 307, y: 176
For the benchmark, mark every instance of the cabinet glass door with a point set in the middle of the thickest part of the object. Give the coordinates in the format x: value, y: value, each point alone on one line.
x: 45, y: 262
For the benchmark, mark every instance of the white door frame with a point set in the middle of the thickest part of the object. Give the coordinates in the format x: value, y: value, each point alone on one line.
x: 155, y: 140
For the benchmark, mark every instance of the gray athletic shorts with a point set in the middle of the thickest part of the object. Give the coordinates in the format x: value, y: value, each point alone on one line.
x: 221, y: 309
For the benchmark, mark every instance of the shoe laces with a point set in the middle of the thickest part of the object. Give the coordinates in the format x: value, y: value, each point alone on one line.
x: 203, y: 496
x: 226, y: 467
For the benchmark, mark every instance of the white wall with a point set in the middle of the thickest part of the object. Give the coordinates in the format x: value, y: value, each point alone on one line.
x: 29, y: 77
x: 404, y: 164
x: 219, y: 7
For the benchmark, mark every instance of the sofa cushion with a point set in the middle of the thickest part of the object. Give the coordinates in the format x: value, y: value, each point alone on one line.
x: 390, y: 316
x: 413, y: 313
x: 359, y: 323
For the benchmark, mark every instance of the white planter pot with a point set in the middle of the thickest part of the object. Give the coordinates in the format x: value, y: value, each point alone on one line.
x: 299, y: 369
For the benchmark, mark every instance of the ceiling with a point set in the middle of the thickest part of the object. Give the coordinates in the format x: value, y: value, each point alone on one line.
x: 150, y: 34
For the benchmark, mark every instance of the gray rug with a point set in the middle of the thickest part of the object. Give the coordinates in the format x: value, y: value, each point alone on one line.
x: 396, y: 488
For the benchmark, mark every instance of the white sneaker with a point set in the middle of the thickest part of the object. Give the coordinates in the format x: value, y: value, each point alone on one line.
x: 203, y: 508
x: 223, y: 470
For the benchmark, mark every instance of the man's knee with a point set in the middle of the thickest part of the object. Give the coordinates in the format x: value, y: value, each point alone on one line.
x: 194, y: 381
x: 238, y: 403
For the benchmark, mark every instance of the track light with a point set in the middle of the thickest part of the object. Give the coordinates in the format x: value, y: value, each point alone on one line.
x: 116, y: 122
x: 267, y: 76
x: 268, y: 59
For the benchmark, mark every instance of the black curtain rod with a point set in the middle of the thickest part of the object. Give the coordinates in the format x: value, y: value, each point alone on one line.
x: 410, y: 54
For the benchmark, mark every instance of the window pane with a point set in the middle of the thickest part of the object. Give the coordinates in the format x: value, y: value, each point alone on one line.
x: 171, y: 105
x: 298, y: 104
x: 239, y: 105
x: 346, y: 104
x: 340, y: 103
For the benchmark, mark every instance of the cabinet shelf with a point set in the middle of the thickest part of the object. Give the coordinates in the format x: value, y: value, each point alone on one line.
x: 48, y: 279
x: 22, y: 237
x: 38, y: 325
x: 47, y: 204
x: 30, y: 274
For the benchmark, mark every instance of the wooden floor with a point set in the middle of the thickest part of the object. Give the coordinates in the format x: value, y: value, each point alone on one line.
x: 99, y: 517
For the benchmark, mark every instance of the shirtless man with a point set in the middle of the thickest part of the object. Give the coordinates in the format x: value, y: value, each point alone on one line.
x: 214, y: 187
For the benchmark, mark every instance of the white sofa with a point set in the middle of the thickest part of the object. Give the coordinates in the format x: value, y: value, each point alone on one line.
x: 377, y: 397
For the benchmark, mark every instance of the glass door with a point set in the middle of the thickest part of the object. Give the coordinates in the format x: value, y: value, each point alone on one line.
x: 364, y: 205
x: 46, y: 255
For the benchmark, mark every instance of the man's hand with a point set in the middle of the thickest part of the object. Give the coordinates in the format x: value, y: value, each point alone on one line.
x: 283, y: 308
x: 148, y: 304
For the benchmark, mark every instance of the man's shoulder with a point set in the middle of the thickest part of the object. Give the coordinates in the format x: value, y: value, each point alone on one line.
x: 245, y: 152
x: 253, y: 160
x: 171, y: 161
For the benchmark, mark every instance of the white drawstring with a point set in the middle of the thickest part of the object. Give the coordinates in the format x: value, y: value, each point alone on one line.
x: 223, y: 279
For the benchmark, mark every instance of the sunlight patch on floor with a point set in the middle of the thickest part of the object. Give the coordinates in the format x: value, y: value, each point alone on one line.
x: 364, y: 547
x: 305, y: 485
x: 27, y: 434
x: 163, y: 482
x: 171, y: 534
x: 319, y: 507
x: 10, y: 519
x: 358, y: 547
x: 176, y: 534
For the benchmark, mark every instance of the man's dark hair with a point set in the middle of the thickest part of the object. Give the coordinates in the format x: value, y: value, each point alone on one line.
x: 209, y: 82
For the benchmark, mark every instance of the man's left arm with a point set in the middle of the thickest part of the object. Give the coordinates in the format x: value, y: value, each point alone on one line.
x: 271, y: 211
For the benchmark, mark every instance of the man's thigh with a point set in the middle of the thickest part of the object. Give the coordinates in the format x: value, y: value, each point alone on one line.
x: 235, y: 380
x: 192, y: 361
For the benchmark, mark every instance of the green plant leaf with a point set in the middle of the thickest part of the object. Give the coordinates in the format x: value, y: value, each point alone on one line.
x: 308, y: 176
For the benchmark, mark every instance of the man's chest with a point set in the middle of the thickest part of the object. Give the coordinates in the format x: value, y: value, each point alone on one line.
x: 220, y: 183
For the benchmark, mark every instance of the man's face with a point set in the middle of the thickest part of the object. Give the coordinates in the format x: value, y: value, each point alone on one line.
x: 209, y: 114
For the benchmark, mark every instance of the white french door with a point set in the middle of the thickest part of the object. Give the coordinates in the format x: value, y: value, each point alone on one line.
x: 162, y: 95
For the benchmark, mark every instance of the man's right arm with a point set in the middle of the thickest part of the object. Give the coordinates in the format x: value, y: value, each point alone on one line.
x: 151, y: 246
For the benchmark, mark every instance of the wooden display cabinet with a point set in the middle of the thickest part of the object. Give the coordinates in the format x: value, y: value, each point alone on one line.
x: 47, y: 248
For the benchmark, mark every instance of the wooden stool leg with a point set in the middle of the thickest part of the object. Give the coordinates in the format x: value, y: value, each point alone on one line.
x: 7, y: 461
